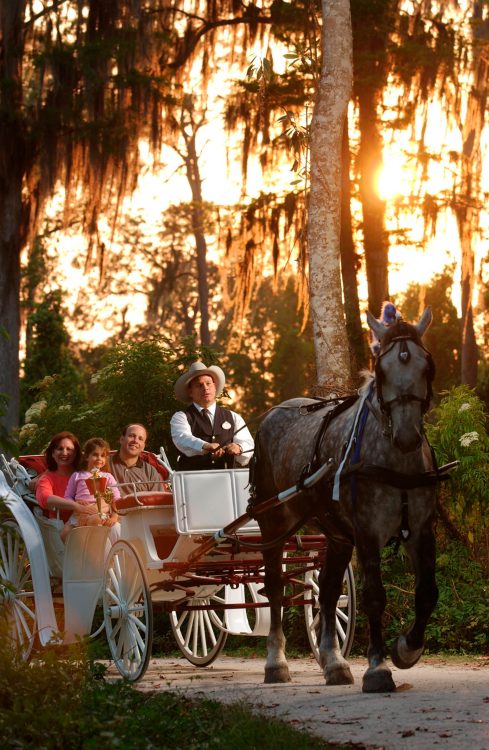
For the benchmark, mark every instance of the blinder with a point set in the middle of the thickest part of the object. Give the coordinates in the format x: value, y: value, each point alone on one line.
x: 404, y: 356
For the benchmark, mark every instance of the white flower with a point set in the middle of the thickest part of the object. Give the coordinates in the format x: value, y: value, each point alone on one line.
x: 27, y: 432
x: 64, y: 407
x: 464, y: 407
x: 468, y: 438
x: 35, y: 410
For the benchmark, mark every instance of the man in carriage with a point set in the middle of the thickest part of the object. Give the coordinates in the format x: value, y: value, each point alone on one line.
x: 206, y: 435
x: 127, y: 464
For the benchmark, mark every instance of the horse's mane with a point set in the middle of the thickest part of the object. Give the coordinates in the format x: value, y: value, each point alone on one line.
x: 401, y: 328
x: 367, y: 376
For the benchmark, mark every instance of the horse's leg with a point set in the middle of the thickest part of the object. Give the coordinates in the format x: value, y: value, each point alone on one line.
x: 335, y: 667
x: 276, y: 668
x: 378, y: 677
x: 408, y: 648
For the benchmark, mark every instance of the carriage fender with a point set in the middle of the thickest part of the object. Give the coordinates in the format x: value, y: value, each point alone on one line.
x: 46, y: 619
x: 83, y: 574
x: 237, y: 619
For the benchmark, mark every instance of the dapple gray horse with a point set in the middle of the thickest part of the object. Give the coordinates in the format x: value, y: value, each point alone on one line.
x: 383, y: 488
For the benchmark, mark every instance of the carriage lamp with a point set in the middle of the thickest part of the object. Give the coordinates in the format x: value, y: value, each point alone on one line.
x: 97, y: 486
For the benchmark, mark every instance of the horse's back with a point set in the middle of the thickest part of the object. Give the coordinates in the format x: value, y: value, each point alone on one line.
x: 284, y: 443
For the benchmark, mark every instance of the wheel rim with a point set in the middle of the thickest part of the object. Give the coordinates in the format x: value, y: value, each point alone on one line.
x: 345, y: 613
x: 200, y: 634
x: 128, y: 615
x: 16, y: 589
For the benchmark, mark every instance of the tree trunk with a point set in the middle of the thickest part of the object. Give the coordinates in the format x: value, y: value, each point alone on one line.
x: 12, y: 163
x: 374, y: 234
x: 349, y: 265
x: 195, y: 182
x: 468, y: 209
x: 330, y: 338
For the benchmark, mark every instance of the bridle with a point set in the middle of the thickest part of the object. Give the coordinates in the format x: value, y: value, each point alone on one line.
x: 404, y: 357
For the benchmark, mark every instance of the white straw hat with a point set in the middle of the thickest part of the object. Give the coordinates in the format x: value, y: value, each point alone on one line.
x: 195, y: 370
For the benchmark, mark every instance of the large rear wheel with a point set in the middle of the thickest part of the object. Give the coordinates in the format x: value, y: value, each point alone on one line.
x: 17, y: 602
x: 200, y: 633
x: 128, y: 614
x: 345, y: 612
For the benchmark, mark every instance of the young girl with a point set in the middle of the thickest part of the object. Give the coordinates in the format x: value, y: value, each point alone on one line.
x: 83, y: 484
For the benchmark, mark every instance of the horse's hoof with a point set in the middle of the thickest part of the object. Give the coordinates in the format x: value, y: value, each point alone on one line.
x: 378, y: 680
x: 338, y: 674
x: 402, y: 656
x: 277, y: 674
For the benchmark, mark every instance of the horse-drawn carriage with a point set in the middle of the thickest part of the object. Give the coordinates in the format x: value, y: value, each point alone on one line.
x: 168, y: 557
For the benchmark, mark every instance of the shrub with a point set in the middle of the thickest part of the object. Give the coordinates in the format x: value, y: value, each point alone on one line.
x: 134, y: 384
x: 458, y: 432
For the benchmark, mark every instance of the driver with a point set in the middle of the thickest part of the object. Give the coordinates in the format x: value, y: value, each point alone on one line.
x: 206, y: 435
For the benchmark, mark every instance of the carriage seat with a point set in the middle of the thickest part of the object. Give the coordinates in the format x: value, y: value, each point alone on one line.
x: 144, y: 500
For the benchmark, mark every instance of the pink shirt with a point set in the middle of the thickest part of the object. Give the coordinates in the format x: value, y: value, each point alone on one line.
x: 77, y: 487
x: 52, y: 483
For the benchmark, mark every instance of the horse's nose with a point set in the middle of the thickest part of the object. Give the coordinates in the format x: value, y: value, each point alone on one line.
x: 407, y: 442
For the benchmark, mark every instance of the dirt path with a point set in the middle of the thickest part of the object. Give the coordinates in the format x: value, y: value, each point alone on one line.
x: 438, y: 703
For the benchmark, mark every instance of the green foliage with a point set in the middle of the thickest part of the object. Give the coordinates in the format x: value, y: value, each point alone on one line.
x: 459, y: 432
x: 63, y: 701
x: 275, y: 360
x: 459, y: 621
x: 7, y: 443
x: 443, y: 336
x: 134, y: 384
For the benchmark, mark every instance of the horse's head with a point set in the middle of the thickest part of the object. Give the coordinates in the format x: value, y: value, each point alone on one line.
x: 404, y: 372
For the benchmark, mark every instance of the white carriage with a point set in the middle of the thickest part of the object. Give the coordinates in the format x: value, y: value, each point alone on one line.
x: 168, y: 557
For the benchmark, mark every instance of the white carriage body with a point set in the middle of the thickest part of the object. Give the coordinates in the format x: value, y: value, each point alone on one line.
x: 163, y: 556
x: 163, y: 534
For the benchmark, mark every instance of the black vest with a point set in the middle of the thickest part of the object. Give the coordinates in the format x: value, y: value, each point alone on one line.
x: 201, y: 427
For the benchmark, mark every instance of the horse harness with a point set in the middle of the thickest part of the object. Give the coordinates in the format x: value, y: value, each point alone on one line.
x: 356, y: 469
x: 404, y: 356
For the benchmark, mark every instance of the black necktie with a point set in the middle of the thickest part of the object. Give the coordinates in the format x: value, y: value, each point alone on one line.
x: 207, y: 413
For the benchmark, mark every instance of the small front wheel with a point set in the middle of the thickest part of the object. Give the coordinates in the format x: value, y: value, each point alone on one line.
x: 128, y: 615
x: 200, y: 633
x: 345, y: 612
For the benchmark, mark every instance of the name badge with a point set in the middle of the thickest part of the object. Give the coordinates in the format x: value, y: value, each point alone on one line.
x: 226, y: 426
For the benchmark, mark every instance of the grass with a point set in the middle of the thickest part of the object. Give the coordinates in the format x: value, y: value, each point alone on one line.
x: 64, y: 702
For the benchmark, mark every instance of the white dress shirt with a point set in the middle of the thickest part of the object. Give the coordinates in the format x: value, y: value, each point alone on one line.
x: 192, y: 446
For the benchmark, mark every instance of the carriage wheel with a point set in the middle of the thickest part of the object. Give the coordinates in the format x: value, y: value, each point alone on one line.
x: 17, y: 602
x: 200, y: 634
x: 345, y: 612
x: 128, y: 615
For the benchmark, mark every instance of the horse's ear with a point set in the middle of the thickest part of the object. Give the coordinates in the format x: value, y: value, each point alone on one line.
x: 424, y: 322
x: 377, y: 327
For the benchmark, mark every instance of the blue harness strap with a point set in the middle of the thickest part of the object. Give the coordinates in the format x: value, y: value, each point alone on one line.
x: 358, y: 445
x: 355, y: 438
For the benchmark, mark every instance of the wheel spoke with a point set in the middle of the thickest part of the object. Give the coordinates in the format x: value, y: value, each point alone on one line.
x: 27, y: 610
x: 202, y: 636
x: 208, y: 626
x: 115, y: 599
x: 190, y: 629
x: 135, y: 621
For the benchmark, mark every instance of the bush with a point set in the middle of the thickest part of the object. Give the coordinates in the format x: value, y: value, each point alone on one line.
x: 459, y: 621
x: 458, y: 432
x: 135, y: 384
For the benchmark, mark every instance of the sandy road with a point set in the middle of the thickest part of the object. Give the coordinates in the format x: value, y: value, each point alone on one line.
x: 438, y: 703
